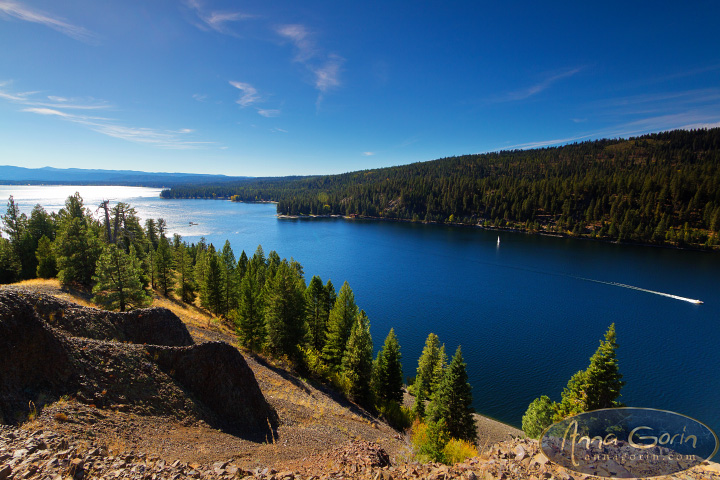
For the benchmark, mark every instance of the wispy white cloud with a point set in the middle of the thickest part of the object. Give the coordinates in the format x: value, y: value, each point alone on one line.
x: 300, y: 37
x: 532, y: 90
x: 251, y: 96
x: 677, y: 121
x: 368, y: 154
x: 30, y: 99
x: 249, y: 93
x: 199, y: 97
x: 219, y: 21
x: 172, y: 139
x: 325, y: 68
x: 9, y: 8
x: 280, y: 130
x: 268, y: 112
x: 328, y: 75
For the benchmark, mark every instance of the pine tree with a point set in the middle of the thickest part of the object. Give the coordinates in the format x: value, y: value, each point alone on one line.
x: 118, y: 280
x: 538, y: 417
x: 229, y: 287
x: 14, y: 221
x: 200, y: 269
x: 214, y: 282
x: 163, y: 266
x: 258, y: 265
x: 597, y: 387
x: 603, y: 379
x: 316, y: 313
x: 151, y: 233
x: 387, y: 371
x: 185, y: 288
x: 357, y: 361
x: 242, y: 266
x: 9, y: 263
x: 452, y: 402
x: 250, y: 319
x: 430, y: 371
x: 47, y: 266
x: 285, y: 311
x: 23, y: 244
x: 340, y: 324
x: 330, y: 296
x: 77, y: 246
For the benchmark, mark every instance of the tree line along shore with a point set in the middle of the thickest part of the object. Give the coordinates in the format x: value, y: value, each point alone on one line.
x: 657, y: 189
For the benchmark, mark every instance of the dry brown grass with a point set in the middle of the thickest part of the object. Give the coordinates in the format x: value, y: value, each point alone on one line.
x: 193, y: 315
x: 189, y: 314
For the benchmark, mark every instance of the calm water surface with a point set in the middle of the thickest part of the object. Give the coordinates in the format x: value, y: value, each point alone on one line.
x: 524, y: 312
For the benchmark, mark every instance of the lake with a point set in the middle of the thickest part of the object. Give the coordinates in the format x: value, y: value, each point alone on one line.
x: 528, y: 312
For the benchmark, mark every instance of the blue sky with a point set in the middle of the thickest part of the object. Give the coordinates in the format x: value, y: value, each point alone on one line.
x: 311, y: 87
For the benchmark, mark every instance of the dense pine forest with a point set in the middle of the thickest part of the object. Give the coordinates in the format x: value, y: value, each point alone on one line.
x: 661, y: 189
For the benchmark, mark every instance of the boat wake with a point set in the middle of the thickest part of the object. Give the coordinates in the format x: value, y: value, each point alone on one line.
x: 615, y: 284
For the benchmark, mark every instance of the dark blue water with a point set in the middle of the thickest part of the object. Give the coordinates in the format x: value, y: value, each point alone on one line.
x: 522, y: 312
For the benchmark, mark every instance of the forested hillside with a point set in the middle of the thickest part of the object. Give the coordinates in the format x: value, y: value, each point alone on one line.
x: 661, y: 189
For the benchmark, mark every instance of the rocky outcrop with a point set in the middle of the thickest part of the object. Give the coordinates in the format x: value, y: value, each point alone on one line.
x: 34, y: 360
x: 40, y: 363
x: 152, y: 326
x: 219, y: 375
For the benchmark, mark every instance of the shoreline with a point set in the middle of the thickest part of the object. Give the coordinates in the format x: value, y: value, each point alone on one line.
x: 492, y: 229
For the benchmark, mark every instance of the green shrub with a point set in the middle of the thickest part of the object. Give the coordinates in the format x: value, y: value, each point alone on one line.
x: 538, y: 416
x: 458, y: 450
x: 396, y: 415
x: 429, y: 440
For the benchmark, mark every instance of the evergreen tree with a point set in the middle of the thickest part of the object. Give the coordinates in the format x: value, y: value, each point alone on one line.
x: 538, y: 417
x: 258, y: 265
x: 330, y: 296
x: 47, y: 266
x: 602, y: 378
x: 9, y: 263
x: 597, y: 387
x: 574, y: 397
x: 285, y: 311
x: 316, y: 313
x: 229, y: 287
x: 163, y: 267
x: 185, y: 288
x: 151, y: 233
x: 250, y: 320
x: 118, y: 280
x: 14, y: 221
x: 430, y: 371
x: 77, y: 246
x: 452, y: 401
x: 213, y: 285
x: 24, y: 245
x: 242, y: 267
x: 200, y: 270
x: 387, y: 371
x: 357, y: 361
x: 340, y: 323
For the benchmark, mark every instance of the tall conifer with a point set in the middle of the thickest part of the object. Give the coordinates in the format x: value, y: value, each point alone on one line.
x: 340, y: 324
x: 452, y: 401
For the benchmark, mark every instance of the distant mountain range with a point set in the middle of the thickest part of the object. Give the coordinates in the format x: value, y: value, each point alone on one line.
x: 79, y: 176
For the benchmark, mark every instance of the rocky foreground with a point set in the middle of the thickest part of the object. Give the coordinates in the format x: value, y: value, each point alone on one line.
x: 134, y: 396
x: 43, y: 454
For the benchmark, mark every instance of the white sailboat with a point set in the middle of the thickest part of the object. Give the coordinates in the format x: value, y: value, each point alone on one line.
x: 498, y: 241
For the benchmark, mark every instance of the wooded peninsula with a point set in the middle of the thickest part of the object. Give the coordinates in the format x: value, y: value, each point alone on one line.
x: 661, y: 189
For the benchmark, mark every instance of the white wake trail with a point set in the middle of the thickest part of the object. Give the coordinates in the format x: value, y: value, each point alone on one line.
x: 615, y: 284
